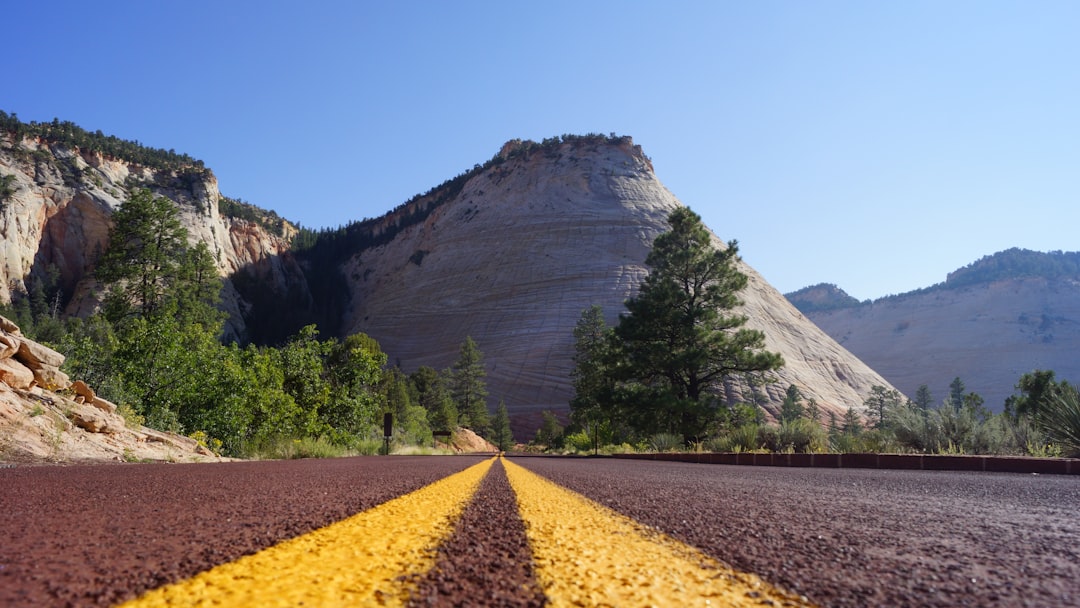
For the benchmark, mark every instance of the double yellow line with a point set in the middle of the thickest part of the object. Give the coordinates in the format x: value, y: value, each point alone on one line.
x: 584, y: 554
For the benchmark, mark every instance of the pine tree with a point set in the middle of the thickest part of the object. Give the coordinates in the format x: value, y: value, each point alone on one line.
x: 792, y: 408
x: 680, y: 337
x: 923, y: 398
x: 469, y: 390
x: 502, y: 436
x: 813, y: 410
x: 143, y: 258
x: 432, y: 395
x: 592, y: 380
x: 852, y: 424
x: 956, y: 393
x: 880, y: 404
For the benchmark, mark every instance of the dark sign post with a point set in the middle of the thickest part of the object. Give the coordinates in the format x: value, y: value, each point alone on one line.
x: 439, y: 434
x: 388, y: 430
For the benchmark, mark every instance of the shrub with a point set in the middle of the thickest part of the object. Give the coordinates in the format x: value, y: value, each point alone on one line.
x: 949, y: 430
x: 579, y: 442
x: 803, y: 435
x: 284, y: 448
x: 1060, y: 420
x: 847, y: 443
x: 666, y: 442
x: 740, y: 439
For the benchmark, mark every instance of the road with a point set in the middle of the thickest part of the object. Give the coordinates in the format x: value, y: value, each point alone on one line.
x: 525, y: 531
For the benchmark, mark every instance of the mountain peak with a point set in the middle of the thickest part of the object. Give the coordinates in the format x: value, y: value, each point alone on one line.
x: 823, y: 296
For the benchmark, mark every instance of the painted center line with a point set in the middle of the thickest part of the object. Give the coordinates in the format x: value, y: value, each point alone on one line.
x: 589, y: 555
x: 365, y: 560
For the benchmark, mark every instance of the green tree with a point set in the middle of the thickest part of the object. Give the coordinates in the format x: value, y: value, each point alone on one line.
x: 433, y: 396
x: 680, y: 336
x: 550, y: 433
x: 593, y: 383
x: 880, y: 403
x: 353, y: 368
x: 243, y: 403
x: 197, y: 287
x: 956, y: 393
x: 143, y: 258
x: 468, y: 389
x: 410, y: 418
x: 302, y: 361
x: 1036, y: 389
x: 923, y: 398
x: 502, y: 436
x: 852, y: 423
x: 792, y: 408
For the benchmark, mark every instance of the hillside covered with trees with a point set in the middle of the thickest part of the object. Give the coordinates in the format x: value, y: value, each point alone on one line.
x: 1012, y: 263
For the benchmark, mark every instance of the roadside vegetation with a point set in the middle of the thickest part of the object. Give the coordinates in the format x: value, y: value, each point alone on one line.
x: 885, y: 423
x: 660, y: 381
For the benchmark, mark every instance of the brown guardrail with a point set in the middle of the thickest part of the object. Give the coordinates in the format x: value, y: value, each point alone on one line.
x: 920, y: 462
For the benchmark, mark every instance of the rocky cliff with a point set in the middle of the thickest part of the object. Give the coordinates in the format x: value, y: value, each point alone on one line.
x: 987, y: 332
x: 522, y: 247
x: 54, y: 218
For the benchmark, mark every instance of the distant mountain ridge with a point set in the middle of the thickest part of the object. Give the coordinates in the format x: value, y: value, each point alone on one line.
x: 1013, y: 263
x: 988, y: 323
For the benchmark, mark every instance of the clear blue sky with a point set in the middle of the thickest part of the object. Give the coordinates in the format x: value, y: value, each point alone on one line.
x: 875, y: 145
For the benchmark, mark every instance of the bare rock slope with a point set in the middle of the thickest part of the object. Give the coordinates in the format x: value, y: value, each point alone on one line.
x: 523, y: 247
x: 988, y: 334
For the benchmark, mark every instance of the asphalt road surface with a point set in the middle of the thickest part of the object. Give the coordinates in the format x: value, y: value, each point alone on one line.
x: 501, y: 534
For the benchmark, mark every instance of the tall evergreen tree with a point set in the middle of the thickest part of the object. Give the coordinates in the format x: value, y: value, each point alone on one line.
x: 680, y: 336
x: 468, y: 388
x: 852, y: 424
x: 502, y: 436
x: 592, y: 380
x: 143, y: 258
x: 880, y: 403
x: 792, y: 408
x: 923, y: 398
x: 956, y: 393
x: 433, y: 396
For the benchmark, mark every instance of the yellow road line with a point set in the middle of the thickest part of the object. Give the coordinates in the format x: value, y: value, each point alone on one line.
x: 364, y: 560
x: 589, y: 555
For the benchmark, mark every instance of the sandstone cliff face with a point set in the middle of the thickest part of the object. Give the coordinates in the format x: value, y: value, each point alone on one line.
x: 58, y: 210
x: 524, y: 247
x: 988, y: 335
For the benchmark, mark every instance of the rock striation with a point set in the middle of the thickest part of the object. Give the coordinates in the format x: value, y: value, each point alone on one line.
x: 523, y: 247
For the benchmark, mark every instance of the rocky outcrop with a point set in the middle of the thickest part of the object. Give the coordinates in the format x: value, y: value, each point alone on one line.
x: 55, y: 218
x: 45, y: 416
x: 988, y: 334
x: 523, y: 247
